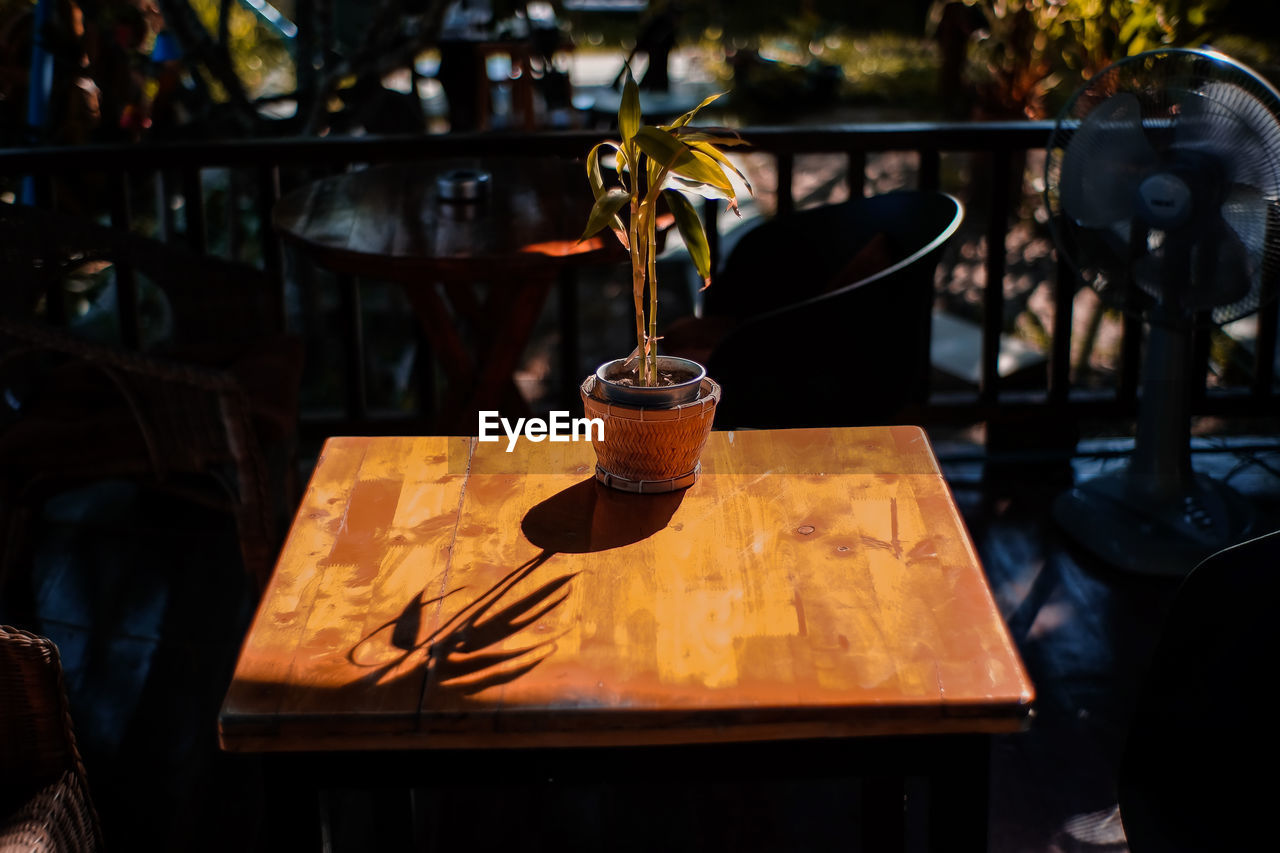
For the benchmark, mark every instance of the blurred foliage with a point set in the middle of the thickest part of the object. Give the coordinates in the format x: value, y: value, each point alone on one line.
x: 1029, y: 55
x: 258, y: 55
x: 738, y: 24
x: 882, y: 66
x: 793, y: 72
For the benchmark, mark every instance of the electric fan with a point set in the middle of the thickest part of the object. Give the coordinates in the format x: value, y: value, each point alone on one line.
x: 1163, y: 182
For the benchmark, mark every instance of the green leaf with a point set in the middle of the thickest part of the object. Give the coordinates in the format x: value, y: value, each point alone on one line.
x: 604, y: 211
x: 593, y: 172
x: 691, y: 230
x: 677, y: 157
x: 593, y: 167
x: 629, y: 109
x: 688, y: 117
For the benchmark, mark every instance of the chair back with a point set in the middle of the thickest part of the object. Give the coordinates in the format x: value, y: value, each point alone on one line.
x: 207, y: 299
x: 1194, y: 774
x: 44, y: 795
x: 817, y: 350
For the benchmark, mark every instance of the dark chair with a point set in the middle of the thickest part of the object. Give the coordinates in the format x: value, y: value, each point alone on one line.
x: 1195, y: 774
x: 44, y: 798
x: 829, y: 312
x: 205, y: 407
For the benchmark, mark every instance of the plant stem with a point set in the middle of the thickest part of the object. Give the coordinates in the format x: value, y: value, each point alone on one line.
x: 638, y: 262
x: 651, y: 242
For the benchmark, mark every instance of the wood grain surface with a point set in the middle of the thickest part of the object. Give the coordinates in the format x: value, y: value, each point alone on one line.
x: 441, y: 592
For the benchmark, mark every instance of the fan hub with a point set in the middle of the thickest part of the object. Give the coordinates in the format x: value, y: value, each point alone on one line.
x: 1164, y: 200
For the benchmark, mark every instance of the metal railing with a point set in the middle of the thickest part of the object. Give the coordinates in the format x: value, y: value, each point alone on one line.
x: 261, y: 169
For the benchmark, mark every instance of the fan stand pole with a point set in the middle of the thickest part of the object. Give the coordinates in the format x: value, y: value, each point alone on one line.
x: 1160, y: 468
x: 1156, y: 516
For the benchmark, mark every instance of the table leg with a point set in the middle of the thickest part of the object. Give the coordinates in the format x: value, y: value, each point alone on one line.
x: 353, y: 357
x: 515, y: 321
x: 883, y: 813
x: 502, y: 323
x: 959, y: 795
x: 291, y: 807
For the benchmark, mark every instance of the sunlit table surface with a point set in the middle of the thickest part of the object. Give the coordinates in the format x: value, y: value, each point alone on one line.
x: 444, y: 593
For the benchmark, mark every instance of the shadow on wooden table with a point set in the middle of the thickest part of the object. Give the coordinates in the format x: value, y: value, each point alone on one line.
x: 464, y: 655
x: 456, y: 656
x: 590, y: 517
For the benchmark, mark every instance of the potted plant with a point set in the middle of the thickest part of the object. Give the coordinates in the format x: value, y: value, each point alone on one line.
x: 657, y: 410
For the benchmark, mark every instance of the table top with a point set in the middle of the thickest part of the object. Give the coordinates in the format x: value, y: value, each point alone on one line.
x: 388, y: 221
x: 441, y: 592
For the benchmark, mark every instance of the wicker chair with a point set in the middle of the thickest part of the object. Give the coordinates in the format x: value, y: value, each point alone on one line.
x: 197, y: 409
x: 44, y: 799
x: 95, y: 412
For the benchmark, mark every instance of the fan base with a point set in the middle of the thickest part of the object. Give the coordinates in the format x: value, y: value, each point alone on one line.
x: 1136, y: 532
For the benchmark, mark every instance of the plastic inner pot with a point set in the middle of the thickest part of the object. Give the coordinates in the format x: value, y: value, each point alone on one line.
x: 689, y: 376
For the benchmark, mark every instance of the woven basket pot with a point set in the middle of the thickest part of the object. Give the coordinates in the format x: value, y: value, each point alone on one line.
x: 650, y: 450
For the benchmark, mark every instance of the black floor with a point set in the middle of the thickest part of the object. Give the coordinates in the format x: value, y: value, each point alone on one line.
x: 146, y: 599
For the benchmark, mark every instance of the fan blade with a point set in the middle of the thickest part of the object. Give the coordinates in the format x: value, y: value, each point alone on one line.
x: 1106, y: 159
x: 1221, y: 272
x: 1245, y: 210
x: 1233, y: 125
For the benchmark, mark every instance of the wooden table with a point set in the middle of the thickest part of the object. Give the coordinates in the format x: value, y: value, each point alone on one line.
x: 476, y: 275
x: 814, y: 586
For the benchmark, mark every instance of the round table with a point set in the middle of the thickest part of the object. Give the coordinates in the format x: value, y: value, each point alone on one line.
x: 389, y: 222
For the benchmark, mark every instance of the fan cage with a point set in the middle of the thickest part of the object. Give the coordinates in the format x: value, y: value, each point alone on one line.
x: 1227, y: 111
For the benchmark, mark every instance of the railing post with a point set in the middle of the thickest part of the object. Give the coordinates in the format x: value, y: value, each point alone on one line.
x: 930, y: 169
x: 570, y: 348
x: 1064, y: 291
x: 993, y: 293
x: 126, y: 283
x: 353, y: 347
x: 786, y: 172
x: 711, y: 224
x: 233, y: 214
x: 193, y: 205
x: 857, y: 174
x: 268, y: 192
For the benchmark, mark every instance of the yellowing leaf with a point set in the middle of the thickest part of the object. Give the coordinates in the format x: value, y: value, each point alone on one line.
x: 709, y: 150
x: 688, y: 117
x: 677, y: 157
x: 725, y: 136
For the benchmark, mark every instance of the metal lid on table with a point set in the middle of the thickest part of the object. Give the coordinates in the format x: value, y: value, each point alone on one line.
x: 463, y: 186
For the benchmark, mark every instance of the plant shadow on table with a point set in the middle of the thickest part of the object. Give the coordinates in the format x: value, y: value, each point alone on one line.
x: 463, y: 655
